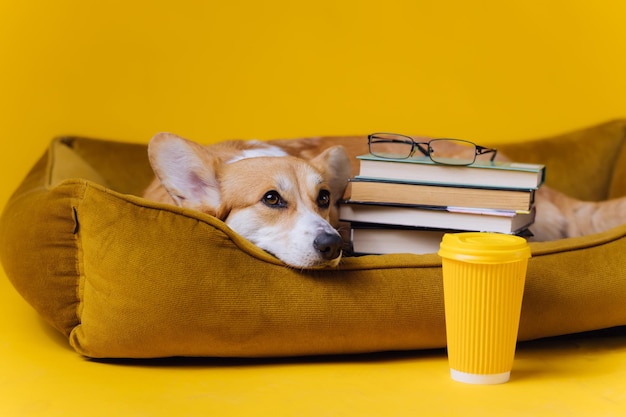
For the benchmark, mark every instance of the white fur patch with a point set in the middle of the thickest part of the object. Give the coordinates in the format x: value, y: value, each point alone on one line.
x: 265, y: 150
x: 293, y: 245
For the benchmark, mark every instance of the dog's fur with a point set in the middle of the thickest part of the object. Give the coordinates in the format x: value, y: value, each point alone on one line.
x: 283, y: 204
x: 282, y: 195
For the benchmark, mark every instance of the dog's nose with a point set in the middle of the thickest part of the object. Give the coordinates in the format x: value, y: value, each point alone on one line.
x: 329, y: 245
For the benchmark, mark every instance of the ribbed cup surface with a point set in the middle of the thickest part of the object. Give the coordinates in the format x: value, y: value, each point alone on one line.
x: 482, y: 307
x: 483, y: 283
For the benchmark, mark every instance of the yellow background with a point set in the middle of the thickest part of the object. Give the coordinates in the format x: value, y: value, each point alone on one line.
x: 483, y: 70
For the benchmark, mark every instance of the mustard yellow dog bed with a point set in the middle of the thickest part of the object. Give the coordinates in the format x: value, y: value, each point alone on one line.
x: 124, y: 277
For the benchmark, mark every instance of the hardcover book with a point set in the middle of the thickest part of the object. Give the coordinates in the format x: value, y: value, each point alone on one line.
x: 458, y: 218
x: 374, y: 240
x: 378, y: 239
x: 379, y: 191
x: 480, y: 173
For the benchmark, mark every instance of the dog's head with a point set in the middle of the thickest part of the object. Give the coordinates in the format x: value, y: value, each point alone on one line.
x: 283, y: 204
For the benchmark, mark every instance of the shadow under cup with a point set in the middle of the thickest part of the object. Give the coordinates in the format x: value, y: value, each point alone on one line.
x: 483, y: 281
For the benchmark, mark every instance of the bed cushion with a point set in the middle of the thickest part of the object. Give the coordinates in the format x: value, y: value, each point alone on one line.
x: 123, y: 277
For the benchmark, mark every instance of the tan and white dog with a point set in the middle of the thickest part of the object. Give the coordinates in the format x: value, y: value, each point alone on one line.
x: 282, y: 203
x: 282, y: 195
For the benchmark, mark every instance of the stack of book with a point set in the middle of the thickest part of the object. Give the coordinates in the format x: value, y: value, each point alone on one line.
x: 407, y: 205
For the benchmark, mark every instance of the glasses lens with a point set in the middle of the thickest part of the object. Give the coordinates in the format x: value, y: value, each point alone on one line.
x: 452, y: 151
x: 389, y: 145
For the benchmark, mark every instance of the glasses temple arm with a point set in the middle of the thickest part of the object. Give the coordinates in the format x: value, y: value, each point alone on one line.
x: 481, y: 150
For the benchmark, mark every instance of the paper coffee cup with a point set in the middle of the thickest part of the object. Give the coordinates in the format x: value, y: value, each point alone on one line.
x: 483, y: 282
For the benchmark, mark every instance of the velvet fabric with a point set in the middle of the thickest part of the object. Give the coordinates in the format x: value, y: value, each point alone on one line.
x: 123, y: 277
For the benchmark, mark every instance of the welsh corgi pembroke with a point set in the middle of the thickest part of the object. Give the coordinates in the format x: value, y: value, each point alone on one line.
x: 283, y: 204
x: 282, y: 195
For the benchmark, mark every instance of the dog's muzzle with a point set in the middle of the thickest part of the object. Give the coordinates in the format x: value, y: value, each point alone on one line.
x: 328, y: 245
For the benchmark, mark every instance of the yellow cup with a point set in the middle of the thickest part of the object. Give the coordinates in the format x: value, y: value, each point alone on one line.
x: 483, y: 282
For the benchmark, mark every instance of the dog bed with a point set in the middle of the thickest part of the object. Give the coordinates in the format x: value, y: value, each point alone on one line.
x: 123, y: 277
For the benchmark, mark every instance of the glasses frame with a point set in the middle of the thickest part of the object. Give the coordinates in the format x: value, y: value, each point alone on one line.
x: 426, y: 148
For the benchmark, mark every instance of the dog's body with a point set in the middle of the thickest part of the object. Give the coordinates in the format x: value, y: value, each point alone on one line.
x: 282, y: 195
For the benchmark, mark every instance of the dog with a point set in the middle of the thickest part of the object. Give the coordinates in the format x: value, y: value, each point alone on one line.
x: 282, y: 203
x: 282, y: 195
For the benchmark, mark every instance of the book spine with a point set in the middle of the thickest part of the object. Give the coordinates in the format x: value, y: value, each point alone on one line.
x: 427, y: 217
x: 459, y: 185
x: 367, y: 191
x: 493, y: 174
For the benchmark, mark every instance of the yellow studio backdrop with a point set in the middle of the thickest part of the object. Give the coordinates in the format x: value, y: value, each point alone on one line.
x: 488, y: 71
x: 484, y: 70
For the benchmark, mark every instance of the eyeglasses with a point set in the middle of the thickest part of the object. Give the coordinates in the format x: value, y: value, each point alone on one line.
x: 440, y: 151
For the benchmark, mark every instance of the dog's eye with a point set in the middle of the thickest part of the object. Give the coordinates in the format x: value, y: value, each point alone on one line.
x: 323, y: 199
x: 273, y: 199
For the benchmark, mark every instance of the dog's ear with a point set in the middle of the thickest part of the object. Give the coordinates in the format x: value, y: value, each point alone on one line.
x: 335, y: 163
x: 186, y: 170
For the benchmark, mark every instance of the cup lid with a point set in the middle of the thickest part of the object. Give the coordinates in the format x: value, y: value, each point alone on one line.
x: 482, y: 247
